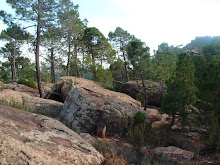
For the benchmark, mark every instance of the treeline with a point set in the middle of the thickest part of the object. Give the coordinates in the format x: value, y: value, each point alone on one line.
x: 189, y: 76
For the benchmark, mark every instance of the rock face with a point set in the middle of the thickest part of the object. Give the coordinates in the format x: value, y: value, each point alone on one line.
x: 157, y: 119
x: 47, y: 86
x: 133, y: 88
x: 84, y: 109
x: 191, y: 141
x: 28, y: 138
x: 173, y: 154
x: 87, y: 137
x: 65, y: 84
x: 22, y: 100
x: 1, y: 85
x: 23, y: 88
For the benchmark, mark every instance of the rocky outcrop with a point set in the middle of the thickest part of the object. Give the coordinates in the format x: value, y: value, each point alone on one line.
x: 23, y: 88
x: 173, y: 154
x: 84, y: 109
x: 1, y: 85
x: 192, y: 141
x: 47, y: 86
x: 154, y: 94
x: 27, y: 138
x: 65, y: 84
x: 87, y: 137
x: 22, y: 100
x: 158, y: 119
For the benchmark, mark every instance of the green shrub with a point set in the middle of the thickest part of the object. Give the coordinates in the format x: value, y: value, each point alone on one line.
x: 137, y: 136
x: 29, y: 82
x: 140, y: 97
x: 139, y: 118
x: 117, y: 85
x: 17, y: 105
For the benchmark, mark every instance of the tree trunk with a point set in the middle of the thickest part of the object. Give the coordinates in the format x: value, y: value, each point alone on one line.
x: 76, y: 60
x: 145, y: 92
x: 38, y: 50
x: 68, y: 61
x: 12, y: 73
x: 101, y: 59
x: 93, y: 60
x: 173, y: 120
x: 14, y: 66
x: 52, y: 65
x: 125, y: 65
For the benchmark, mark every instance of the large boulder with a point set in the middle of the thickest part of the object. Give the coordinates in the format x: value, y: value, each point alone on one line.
x: 173, y: 154
x: 26, y: 89
x: 135, y: 88
x: 27, y: 138
x: 38, y: 105
x: 65, y: 84
x: 84, y: 109
x: 47, y: 86
x: 158, y: 119
x: 23, y: 88
x: 192, y: 141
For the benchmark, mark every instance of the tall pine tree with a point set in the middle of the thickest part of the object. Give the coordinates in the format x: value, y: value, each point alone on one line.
x: 181, y: 91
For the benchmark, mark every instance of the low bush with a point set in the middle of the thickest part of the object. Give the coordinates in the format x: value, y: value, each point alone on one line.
x: 29, y: 82
x: 139, y: 118
x: 140, y: 97
x: 137, y: 134
x: 118, y: 154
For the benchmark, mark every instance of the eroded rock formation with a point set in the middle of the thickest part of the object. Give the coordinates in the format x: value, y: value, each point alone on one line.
x: 38, y: 105
x: 154, y: 94
x: 28, y: 138
x: 84, y: 109
x: 65, y: 84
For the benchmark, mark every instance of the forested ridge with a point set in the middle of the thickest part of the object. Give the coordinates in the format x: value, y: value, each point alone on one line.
x: 188, y: 76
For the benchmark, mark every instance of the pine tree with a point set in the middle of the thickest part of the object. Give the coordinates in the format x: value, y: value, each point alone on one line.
x: 39, y: 12
x: 15, y: 37
x: 120, y: 39
x: 139, y: 56
x: 181, y: 91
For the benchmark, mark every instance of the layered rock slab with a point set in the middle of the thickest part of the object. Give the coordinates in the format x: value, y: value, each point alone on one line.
x: 65, y: 84
x: 154, y: 94
x: 38, y: 105
x: 173, y: 154
x: 27, y: 138
x: 84, y: 109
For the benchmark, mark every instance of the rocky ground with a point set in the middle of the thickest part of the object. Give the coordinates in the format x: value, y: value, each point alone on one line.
x: 83, y: 105
x: 27, y: 138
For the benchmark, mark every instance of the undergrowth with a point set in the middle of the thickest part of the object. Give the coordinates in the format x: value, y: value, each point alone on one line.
x: 17, y: 105
x: 29, y: 82
x: 118, y: 154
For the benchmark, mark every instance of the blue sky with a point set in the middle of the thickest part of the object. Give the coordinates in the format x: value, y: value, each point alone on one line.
x: 153, y: 21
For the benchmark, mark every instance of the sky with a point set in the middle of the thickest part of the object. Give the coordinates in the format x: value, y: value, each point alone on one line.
x: 153, y: 21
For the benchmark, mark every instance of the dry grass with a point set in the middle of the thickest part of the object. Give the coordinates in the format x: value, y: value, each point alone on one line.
x: 111, y: 158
